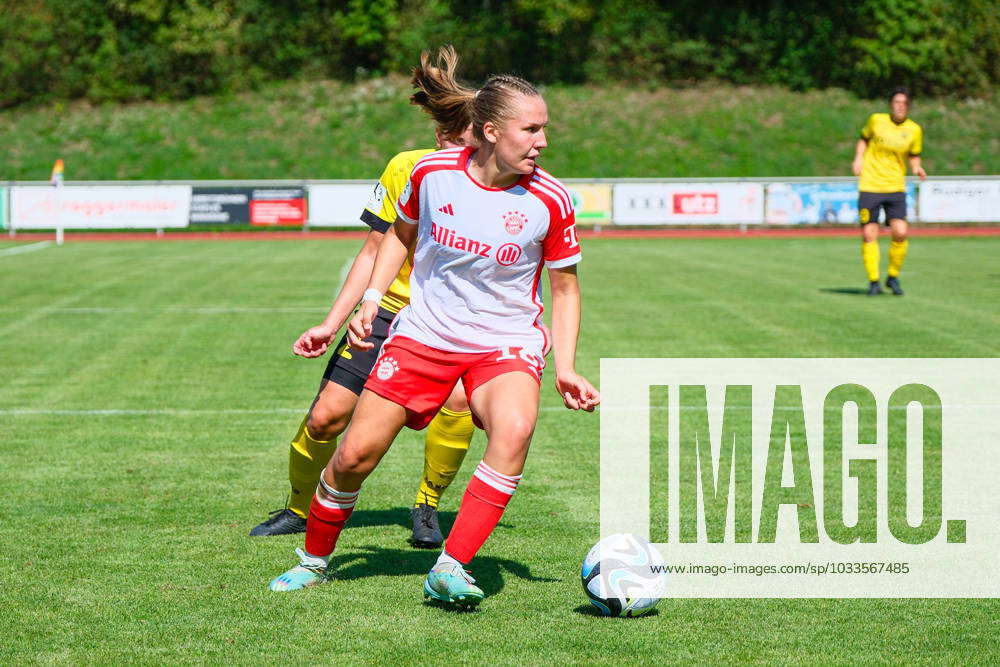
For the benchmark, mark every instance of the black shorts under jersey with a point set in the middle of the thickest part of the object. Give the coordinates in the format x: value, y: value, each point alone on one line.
x: 350, y: 368
x: 869, y: 204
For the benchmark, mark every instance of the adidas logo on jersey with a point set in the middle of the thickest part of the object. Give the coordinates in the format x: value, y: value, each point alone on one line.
x: 447, y: 209
x: 448, y: 237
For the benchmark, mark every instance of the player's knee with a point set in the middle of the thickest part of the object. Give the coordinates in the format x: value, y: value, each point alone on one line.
x: 350, y: 460
x: 515, y: 432
x: 326, y: 422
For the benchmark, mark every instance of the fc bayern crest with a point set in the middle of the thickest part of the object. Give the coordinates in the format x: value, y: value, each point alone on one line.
x: 514, y: 221
x: 386, y: 368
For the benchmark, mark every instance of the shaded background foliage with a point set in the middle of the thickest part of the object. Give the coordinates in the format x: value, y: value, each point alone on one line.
x: 169, y: 49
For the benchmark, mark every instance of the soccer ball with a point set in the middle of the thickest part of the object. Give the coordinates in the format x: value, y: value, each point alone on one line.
x: 623, y: 575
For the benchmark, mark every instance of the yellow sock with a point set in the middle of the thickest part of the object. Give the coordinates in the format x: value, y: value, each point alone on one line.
x: 447, y: 441
x: 869, y: 253
x: 897, y: 254
x: 306, y: 459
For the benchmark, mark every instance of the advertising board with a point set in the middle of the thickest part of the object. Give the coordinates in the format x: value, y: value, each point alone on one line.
x: 278, y: 206
x: 338, y: 205
x: 688, y: 203
x: 215, y: 205
x: 821, y: 203
x: 100, y: 207
x: 591, y: 202
x: 960, y: 201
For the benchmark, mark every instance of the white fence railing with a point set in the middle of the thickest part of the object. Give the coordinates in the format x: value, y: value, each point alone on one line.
x: 598, y: 202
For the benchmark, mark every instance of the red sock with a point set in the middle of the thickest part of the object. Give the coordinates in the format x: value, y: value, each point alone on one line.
x: 328, y: 512
x: 483, y: 504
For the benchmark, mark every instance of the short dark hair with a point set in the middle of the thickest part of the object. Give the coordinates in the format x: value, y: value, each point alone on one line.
x: 901, y: 90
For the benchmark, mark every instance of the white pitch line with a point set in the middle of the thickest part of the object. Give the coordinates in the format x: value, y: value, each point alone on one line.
x: 115, y: 412
x: 344, y: 270
x: 168, y: 412
x: 17, y: 250
x: 189, y: 310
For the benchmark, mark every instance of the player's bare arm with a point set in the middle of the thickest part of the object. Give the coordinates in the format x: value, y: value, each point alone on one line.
x: 314, y: 341
x: 859, y: 156
x: 917, y: 167
x: 577, y: 393
x: 392, y: 252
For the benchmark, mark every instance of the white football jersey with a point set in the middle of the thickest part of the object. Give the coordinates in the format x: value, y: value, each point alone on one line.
x: 477, y: 265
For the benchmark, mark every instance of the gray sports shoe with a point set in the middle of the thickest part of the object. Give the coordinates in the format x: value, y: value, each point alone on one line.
x: 426, y: 532
x: 281, y: 522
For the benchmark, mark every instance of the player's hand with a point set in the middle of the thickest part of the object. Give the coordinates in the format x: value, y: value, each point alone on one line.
x: 576, y: 392
x: 313, y: 342
x: 919, y: 171
x: 360, y: 326
x: 857, y: 167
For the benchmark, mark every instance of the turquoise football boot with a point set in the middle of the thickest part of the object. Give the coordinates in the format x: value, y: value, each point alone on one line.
x: 450, y: 583
x: 309, y: 572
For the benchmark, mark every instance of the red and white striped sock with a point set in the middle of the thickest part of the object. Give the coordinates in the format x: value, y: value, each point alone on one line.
x: 328, y: 512
x: 483, y: 504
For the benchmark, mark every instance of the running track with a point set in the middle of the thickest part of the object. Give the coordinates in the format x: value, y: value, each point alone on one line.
x: 296, y: 235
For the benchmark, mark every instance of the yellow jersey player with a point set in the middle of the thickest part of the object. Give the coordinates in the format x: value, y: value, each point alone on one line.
x: 887, y: 142
x: 448, y: 434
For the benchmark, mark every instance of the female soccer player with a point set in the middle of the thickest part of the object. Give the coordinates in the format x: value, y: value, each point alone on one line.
x: 450, y: 432
x: 484, y: 222
x: 887, y: 140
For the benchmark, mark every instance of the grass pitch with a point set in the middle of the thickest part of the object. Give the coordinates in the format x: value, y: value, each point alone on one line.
x: 148, y: 394
x: 328, y: 129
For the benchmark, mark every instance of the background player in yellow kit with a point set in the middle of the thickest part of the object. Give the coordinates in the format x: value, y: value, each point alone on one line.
x: 449, y: 433
x: 887, y: 141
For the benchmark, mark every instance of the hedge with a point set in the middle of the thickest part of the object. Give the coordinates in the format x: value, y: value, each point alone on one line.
x: 123, y: 50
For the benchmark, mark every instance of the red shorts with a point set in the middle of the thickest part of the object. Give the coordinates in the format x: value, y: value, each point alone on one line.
x: 420, y: 378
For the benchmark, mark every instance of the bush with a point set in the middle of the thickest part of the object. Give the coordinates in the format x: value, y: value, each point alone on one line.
x: 149, y: 49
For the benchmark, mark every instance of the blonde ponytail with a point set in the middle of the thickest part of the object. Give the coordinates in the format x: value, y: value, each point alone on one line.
x: 440, y: 94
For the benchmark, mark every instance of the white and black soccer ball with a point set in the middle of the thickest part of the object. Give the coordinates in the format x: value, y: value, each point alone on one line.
x: 623, y: 575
